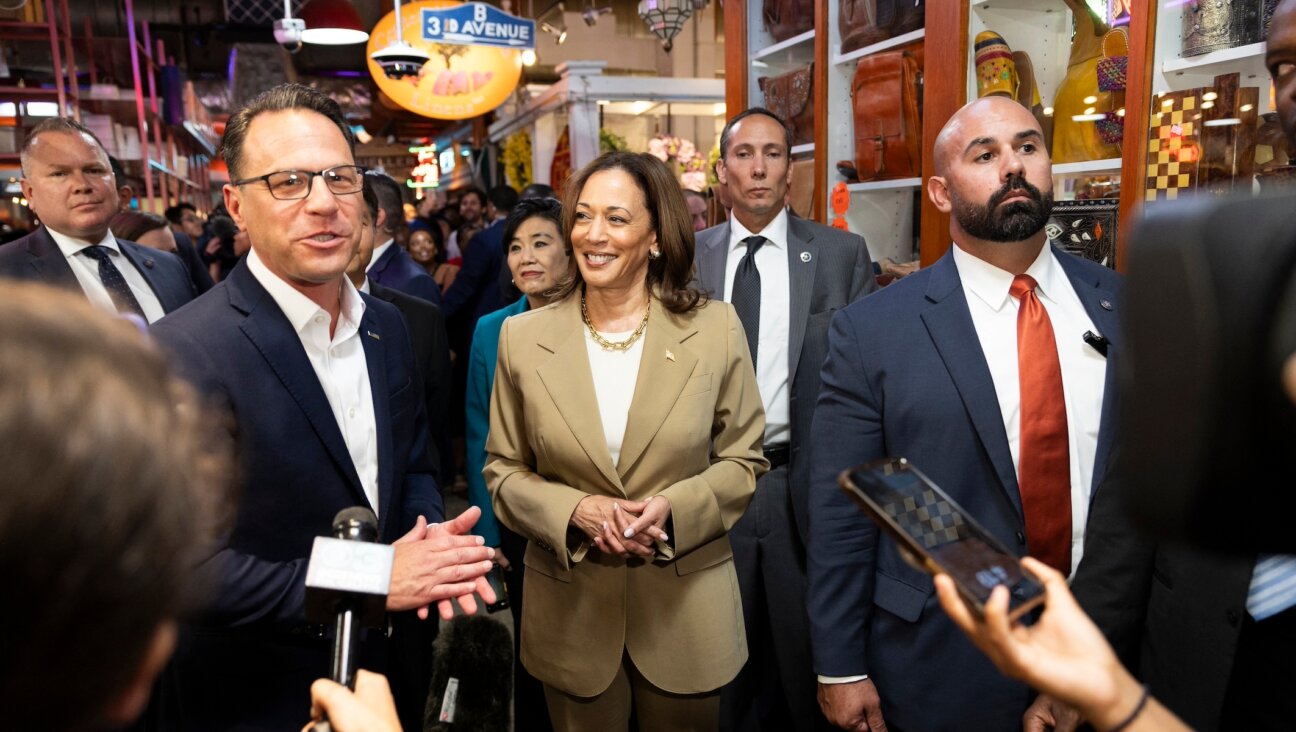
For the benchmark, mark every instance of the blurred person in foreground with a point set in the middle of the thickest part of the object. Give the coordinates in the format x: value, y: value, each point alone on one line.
x: 319, y: 380
x: 625, y: 442
x: 538, y: 259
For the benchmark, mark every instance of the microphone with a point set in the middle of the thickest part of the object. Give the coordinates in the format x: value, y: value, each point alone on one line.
x: 347, y: 580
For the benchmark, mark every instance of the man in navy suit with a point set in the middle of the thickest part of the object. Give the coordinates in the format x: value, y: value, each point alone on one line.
x: 476, y: 290
x: 391, y: 265
x: 69, y: 184
x: 328, y: 412
x: 949, y: 368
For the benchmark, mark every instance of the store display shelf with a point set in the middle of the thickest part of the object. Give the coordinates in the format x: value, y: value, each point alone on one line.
x: 159, y: 167
x: 1017, y: 5
x: 10, y: 159
x: 894, y: 184
x: 199, y: 138
x: 1109, y: 165
x: 796, y: 48
x: 23, y: 93
x: 806, y: 149
x: 1249, y: 60
x: 853, y: 56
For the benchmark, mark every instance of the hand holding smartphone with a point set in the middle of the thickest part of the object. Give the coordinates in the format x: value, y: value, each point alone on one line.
x: 936, y: 536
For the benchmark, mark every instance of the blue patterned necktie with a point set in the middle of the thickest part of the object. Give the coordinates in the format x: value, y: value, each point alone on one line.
x: 112, y: 279
x: 746, y: 295
x: 1273, y: 585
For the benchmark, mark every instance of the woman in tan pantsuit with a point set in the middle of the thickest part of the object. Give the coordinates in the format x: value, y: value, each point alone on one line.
x: 625, y: 441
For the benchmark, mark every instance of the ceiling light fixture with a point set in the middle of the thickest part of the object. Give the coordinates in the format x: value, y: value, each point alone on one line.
x: 332, y: 23
x: 560, y: 31
x: 399, y: 59
x: 591, y: 14
x: 558, y: 27
x: 665, y: 18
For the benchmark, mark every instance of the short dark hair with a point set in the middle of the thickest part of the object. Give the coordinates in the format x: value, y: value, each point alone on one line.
x: 175, y: 213
x: 282, y: 98
x: 549, y: 209
x: 370, y: 198
x: 672, y: 272
x: 119, y: 173
x: 727, y: 132
x: 55, y: 124
x: 390, y: 202
x: 503, y: 198
x: 131, y: 225
x: 538, y: 190
x: 473, y: 191
x: 116, y: 477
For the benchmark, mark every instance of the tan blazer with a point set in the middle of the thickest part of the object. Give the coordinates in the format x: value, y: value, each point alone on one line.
x: 694, y: 435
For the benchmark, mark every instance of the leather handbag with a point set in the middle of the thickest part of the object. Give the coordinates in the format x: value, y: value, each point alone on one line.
x: 787, y: 18
x: 885, y: 99
x: 865, y: 22
x: 791, y: 98
x: 1212, y: 25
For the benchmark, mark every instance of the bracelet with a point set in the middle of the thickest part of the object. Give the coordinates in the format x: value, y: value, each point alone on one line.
x: 1138, y: 709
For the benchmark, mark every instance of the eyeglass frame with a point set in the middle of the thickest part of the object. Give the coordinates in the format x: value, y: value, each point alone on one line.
x: 310, y: 181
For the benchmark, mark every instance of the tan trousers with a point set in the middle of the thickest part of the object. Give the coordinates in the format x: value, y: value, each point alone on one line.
x: 658, y: 710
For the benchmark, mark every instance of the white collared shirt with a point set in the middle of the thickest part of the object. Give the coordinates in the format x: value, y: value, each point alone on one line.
x: 86, y: 270
x: 775, y: 318
x: 615, y: 375
x: 339, y: 363
x: 378, y: 251
x: 1084, y: 370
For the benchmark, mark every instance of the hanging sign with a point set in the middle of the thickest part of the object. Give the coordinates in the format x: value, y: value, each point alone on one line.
x: 477, y: 24
x: 462, y: 79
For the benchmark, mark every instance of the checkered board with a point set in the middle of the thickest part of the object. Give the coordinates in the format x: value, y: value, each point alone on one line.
x: 930, y: 520
x: 1173, y: 149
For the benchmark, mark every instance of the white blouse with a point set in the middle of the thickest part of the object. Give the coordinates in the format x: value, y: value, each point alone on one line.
x: 615, y: 374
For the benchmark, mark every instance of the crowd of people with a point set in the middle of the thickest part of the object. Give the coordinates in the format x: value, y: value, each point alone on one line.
x: 648, y: 417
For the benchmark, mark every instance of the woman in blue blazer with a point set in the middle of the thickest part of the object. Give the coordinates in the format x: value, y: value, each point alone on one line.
x: 537, y: 258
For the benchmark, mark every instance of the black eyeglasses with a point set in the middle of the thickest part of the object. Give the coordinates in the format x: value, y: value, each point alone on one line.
x: 291, y: 185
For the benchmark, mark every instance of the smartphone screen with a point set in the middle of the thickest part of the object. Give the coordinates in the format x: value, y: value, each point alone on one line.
x: 496, y: 579
x: 928, y: 523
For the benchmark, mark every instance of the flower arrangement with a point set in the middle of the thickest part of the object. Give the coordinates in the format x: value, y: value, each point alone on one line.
x: 690, y: 166
x: 517, y: 160
x: 610, y: 141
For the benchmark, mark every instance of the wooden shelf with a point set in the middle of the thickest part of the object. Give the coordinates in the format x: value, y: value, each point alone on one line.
x: 853, y: 56
x: 806, y: 149
x: 159, y: 167
x: 24, y: 93
x: 895, y: 184
x: 10, y: 158
x: 1018, y: 5
x: 1248, y: 60
x: 797, y: 49
x: 1110, y: 165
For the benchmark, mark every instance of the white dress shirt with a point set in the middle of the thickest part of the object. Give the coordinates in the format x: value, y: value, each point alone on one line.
x: 615, y: 374
x: 775, y: 316
x: 1084, y: 370
x: 339, y: 363
x: 86, y: 270
x: 378, y: 251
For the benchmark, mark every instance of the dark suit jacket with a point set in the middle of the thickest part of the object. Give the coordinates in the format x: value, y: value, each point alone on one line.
x: 837, y: 273
x: 906, y: 377
x: 193, y: 262
x: 36, y: 257
x: 395, y: 269
x: 248, y: 662
x: 432, y: 363
x: 475, y: 290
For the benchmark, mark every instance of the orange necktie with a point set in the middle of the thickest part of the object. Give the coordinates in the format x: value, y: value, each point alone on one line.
x: 1044, y: 476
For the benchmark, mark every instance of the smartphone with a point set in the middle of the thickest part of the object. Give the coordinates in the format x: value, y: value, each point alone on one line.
x: 496, y: 579
x: 935, y: 535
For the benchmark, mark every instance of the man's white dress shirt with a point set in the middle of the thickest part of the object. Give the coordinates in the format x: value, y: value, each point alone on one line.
x: 86, y: 270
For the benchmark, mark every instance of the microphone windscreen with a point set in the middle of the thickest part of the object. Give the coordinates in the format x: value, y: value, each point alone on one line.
x: 357, y: 523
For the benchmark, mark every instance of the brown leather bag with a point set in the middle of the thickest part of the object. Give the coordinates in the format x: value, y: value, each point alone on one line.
x: 888, y: 121
x: 865, y: 22
x: 791, y: 98
x: 787, y: 18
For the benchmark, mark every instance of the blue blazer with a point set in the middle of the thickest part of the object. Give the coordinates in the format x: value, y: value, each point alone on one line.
x: 250, y: 657
x: 475, y: 291
x: 906, y: 377
x: 395, y: 269
x: 481, y: 378
x: 37, y: 258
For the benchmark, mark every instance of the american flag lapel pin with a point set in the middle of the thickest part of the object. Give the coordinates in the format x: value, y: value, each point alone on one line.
x: 373, y: 335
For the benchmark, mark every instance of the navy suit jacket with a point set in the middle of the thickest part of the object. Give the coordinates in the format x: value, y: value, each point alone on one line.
x: 248, y: 661
x: 475, y: 291
x: 395, y: 269
x: 36, y: 257
x: 906, y: 377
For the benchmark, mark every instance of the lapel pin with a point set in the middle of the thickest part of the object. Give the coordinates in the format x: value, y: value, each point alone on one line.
x: 670, y: 356
x: 373, y: 335
x: 1106, y: 304
x: 805, y: 256
x: 148, y: 263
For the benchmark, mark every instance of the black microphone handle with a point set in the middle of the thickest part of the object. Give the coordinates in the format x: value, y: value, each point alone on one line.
x: 344, y: 647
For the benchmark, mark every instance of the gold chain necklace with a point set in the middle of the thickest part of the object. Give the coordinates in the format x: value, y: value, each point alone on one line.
x: 614, y: 345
